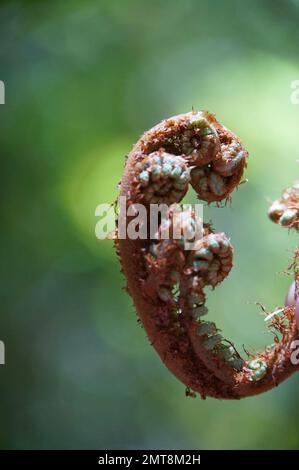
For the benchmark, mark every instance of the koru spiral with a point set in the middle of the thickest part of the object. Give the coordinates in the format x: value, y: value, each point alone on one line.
x: 167, y: 282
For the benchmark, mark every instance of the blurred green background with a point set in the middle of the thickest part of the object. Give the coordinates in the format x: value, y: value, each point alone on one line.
x: 83, y: 81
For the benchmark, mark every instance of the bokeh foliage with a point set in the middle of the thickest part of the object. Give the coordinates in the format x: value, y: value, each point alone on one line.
x: 83, y: 80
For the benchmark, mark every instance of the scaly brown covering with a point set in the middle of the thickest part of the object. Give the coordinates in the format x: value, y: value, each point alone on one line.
x: 167, y: 282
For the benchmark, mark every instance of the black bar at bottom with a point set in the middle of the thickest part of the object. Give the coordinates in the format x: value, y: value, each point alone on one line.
x: 132, y: 459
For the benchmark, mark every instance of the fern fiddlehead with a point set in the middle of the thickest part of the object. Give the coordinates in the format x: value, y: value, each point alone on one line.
x: 167, y: 282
